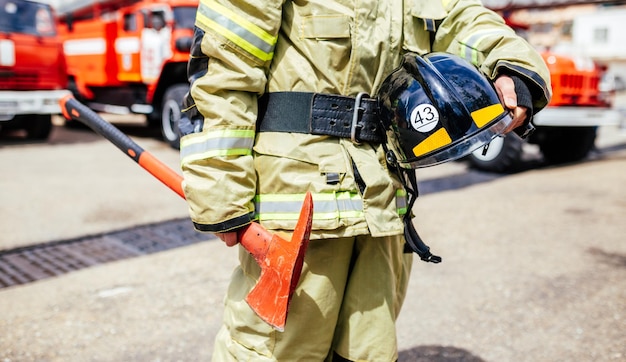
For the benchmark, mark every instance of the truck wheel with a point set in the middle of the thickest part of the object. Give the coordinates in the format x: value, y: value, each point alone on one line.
x: 503, y: 154
x: 38, y: 126
x: 171, y: 113
x: 567, y: 144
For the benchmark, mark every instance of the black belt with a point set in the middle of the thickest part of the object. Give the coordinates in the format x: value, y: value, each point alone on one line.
x: 356, y: 118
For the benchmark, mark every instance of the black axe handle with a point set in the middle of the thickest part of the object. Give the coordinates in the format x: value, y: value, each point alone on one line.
x: 74, y: 110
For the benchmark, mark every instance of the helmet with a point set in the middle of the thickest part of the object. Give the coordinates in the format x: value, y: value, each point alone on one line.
x: 438, y: 108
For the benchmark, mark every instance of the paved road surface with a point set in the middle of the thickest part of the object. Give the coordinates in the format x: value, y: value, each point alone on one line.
x: 534, y: 263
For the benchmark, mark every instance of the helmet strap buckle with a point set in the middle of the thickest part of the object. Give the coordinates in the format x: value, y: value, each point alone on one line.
x: 356, y: 117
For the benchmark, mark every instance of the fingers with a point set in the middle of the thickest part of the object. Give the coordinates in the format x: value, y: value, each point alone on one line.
x: 519, y: 115
x: 230, y: 238
x: 506, y: 91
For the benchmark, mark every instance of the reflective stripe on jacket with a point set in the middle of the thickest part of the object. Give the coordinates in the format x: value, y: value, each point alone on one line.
x: 244, y: 48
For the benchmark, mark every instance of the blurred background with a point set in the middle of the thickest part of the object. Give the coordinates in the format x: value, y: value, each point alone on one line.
x: 129, y: 57
x: 99, y: 261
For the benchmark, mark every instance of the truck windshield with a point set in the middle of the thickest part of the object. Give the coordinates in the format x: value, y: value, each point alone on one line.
x: 184, y: 17
x: 18, y: 16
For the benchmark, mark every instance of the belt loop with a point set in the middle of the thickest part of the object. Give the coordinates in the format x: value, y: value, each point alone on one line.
x: 358, y: 110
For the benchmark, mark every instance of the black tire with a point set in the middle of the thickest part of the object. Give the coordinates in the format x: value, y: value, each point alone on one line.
x: 503, y: 155
x: 37, y: 126
x: 171, y: 113
x: 567, y: 144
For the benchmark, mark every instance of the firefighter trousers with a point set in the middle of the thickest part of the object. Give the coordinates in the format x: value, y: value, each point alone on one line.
x: 347, y: 302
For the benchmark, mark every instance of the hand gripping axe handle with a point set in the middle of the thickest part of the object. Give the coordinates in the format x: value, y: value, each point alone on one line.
x: 279, y: 258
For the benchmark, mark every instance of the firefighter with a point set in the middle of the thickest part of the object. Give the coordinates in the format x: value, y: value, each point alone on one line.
x: 273, y: 83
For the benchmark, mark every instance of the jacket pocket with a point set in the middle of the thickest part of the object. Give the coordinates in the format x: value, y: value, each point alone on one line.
x: 293, y: 163
x: 327, y: 40
x: 325, y: 27
x: 422, y: 18
x: 288, y: 165
x: 428, y: 10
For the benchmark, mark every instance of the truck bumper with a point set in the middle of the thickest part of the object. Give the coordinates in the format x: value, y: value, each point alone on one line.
x: 577, y: 117
x: 13, y: 103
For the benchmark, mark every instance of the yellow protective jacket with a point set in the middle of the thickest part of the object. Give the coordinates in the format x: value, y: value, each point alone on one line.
x: 245, y: 48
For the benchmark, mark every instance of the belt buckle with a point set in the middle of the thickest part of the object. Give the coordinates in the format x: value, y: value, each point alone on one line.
x: 358, y: 111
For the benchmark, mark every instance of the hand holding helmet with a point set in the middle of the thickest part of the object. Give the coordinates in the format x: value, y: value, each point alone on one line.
x: 508, y: 96
x: 439, y: 108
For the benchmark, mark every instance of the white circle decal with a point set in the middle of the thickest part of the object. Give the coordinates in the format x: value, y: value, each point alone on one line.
x: 424, y: 118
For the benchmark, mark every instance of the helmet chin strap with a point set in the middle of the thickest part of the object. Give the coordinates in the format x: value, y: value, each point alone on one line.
x: 413, y: 241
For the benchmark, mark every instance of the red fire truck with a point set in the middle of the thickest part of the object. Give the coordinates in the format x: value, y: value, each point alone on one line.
x: 32, y: 67
x: 566, y: 128
x: 130, y: 56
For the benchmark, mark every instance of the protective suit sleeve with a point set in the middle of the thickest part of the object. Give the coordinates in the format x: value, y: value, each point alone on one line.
x: 231, y: 52
x: 481, y: 36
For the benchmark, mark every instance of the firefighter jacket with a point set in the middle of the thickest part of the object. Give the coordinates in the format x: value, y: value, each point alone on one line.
x: 242, y: 49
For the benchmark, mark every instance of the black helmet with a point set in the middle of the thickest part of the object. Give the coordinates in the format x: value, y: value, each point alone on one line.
x: 438, y: 108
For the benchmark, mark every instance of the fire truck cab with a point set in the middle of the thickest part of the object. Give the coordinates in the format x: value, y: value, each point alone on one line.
x: 32, y: 67
x: 127, y: 56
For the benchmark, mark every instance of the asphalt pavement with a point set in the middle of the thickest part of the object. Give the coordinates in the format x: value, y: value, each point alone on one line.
x: 534, y: 263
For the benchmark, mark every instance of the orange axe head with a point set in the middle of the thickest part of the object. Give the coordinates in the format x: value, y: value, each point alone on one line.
x: 281, y: 262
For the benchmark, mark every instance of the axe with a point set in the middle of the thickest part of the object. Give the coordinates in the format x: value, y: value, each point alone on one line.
x: 279, y: 258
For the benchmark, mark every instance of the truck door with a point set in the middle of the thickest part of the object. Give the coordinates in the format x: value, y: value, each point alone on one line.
x: 155, y: 44
x: 128, y: 46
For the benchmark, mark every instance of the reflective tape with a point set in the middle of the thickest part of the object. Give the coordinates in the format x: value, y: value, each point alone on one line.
x: 485, y: 115
x: 401, y: 202
x: 87, y: 46
x: 213, y: 17
x: 435, y: 141
x: 327, y: 206
x: 469, y: 47
x: 128, y: 45
x: 216, y: 143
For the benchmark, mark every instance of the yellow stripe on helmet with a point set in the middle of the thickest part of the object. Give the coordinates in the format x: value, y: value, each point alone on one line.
x: 436, y: 140
x: 485, y: 115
